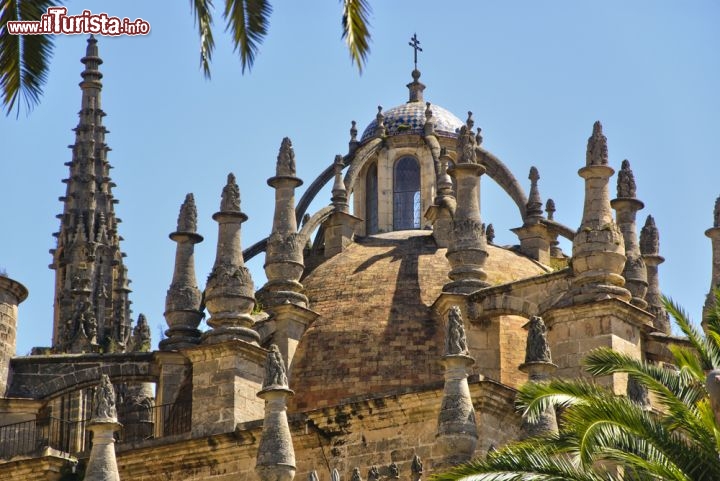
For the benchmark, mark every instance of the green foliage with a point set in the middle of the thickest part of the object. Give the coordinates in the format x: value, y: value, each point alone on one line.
x: 607, y: 437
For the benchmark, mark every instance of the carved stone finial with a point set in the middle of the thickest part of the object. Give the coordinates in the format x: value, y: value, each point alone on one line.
x: 537, y: 348
x: 649, y: 238
x: 230, y: 200
x: 313, y: 476
x: 417, y: 466
x: 353, y: 131
x: 550, y: 209
x: 187, y: 219
x: 393, y: 470
x: 380, y: 123
x: 626, y: 181
x: 597, y: 151
x: 716, y: 213
x: 141, y: 341
x: 373, y: 473
x: 103, y: 410
x: 428, y: 112
x: 533, y: 208
x: 478, y: 136
x: 356, y: 475
x: 490, y: 233
x: 275, y: 375
x: 339, y: 192
x: 286, y: 159
x: 335, y: 475
x: 455, y: 340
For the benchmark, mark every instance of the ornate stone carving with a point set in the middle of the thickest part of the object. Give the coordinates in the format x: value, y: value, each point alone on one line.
x: 455, y: 340
x: 356, y: 475
x: 466, y: 143
x: 490, y: 233
x: 284, y: 248
x: 275, y: 375
x: 597, y: 150
x: 181, y: 297
x: 373, y: 473
x: 533, y: 208
x: 468, y: 230
x: 380, y: 130
x: 286, y: 159
x: 537, y: 349
x: 649, y: 238
x: 104, y: 410
x: 187, y: 219
x: 230, y: 200
x: 626, y: 181
x: 230, y: 276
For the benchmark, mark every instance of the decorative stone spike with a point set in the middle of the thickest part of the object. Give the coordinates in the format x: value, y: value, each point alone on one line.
x: 467, y: 251
x: 550, y: 209
x: 533, y: 208
x: 183, y: 299
x: 141, y: 339
x: 229, y: 295
x: 539, y: 367
x: 416, y: 467
x: 714, y: 234
x: 555, y: 251
x: 339, y: 193
x: 380, y: 130
x: 626, y: 207
x: 276, y: 456
x: 650, y: 250
x: 356, y: 475
x: 284, y: 255
x: 102, y: 465
x: 598, y: 247
x: 478, y: 136
x: 457, y: 432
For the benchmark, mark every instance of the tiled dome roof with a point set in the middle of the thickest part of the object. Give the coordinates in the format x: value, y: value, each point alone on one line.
x: 409, y: 118
x: 376, y: 330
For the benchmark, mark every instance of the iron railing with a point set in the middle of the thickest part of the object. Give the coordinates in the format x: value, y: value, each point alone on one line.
x: 32, y: 437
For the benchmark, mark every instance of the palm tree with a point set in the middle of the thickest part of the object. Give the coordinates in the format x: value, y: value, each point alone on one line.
x: 607, y: 437
x: 24, y: 59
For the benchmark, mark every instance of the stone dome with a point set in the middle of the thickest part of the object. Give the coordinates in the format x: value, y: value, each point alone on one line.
x: 376, y: 331
x: 409, y: 118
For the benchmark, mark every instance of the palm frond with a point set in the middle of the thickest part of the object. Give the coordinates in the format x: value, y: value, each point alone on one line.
x: 202, y: 12
x: 536, y: 397
x: 709, y: 352
x: 248, y: 22
x: 356, y: 30
x: 24, y: 59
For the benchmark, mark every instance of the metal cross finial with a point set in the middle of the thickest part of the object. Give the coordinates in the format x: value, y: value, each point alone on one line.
x: 415, y: 44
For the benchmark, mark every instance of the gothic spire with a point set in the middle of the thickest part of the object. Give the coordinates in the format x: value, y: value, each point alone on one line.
x: 87, y: 242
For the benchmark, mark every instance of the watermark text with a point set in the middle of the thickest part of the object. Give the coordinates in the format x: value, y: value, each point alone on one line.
x: 57, y: 22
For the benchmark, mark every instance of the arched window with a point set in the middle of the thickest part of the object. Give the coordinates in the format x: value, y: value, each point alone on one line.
x: 371, y: 200
x: 406, y: 194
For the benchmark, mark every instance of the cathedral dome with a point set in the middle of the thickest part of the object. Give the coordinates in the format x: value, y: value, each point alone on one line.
x: 409, y: 118
x: 376, y: 332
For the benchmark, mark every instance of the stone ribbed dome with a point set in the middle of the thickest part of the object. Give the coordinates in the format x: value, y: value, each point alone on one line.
x: 376, y: 331
x: 409, y: 118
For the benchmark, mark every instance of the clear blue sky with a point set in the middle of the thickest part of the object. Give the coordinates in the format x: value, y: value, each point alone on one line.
x: 535, y: 74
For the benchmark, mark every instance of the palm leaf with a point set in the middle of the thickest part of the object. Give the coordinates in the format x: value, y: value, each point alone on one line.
x: 356, y: 30
x: 202, y: 12
x: 709, y: 352
x: 248, y: 22
x: 24, y: 59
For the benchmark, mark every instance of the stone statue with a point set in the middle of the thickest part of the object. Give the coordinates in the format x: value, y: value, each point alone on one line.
x: 356, y: 475
x: 187, y: 219
x: 275, y: 375
x: 230, y: 200
x: 353, y: 131
x: 393, y: 470
x: 455, y: 340
x: 626, y: 181
x: 373, y: 473
x: 597, y: 151
x: 417, y: 465
x: 104, y: 402
x: 537, y: 348
x: 466, y: 143
x: 286, y: 159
